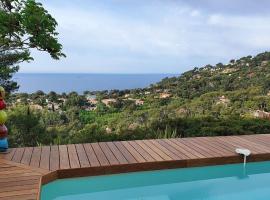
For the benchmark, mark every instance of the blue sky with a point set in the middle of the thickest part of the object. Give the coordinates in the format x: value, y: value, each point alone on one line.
x: 153, y: 36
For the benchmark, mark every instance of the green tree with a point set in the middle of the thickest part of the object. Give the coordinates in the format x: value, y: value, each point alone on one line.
x: 75, y: 100
x: 52, y: 96
x: 25, y: 128
x: 24, y: 25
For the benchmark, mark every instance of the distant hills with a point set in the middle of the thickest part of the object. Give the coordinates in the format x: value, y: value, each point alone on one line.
x: 240, y: 88
x: 225, y: 99
x: 236, y: 75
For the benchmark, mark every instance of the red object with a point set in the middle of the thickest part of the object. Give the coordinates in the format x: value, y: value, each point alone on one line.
x: 3, y: 131
x: 2, y: 104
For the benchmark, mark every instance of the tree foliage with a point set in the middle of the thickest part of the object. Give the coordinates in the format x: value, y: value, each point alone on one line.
x: 24, y: 25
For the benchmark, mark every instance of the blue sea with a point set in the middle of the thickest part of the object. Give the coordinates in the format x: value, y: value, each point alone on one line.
x: 59, y: 83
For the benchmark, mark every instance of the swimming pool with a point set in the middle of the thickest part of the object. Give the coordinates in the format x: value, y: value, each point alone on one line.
x: 224, y: 182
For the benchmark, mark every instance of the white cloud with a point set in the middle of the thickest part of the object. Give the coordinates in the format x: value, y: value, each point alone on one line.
x: 104, y: 30
x: 246, y: 31
x: 195, y: 13
x: 157, y: 37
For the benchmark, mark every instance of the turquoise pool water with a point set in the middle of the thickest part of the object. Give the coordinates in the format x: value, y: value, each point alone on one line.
x: 225, y: 182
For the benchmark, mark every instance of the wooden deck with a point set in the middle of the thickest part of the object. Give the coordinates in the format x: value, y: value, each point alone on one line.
x: 19, y: 182
x: 22, y: 168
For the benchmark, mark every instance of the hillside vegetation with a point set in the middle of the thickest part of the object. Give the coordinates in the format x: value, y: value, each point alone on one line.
x: 237, y: 75
x: 224, y: 99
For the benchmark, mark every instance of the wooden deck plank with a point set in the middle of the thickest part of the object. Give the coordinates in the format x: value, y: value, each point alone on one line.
x: 73, y: 157
x: 36, y: 155
x: 185, y: 150
x: 214, y: 144
x: 149, y: 150
x: 19, y: 179
x: 260, y: 148
x: 18, y: 155
x: 54, y: 158
x: 100, y: 154
x: 157, y: 150
x: 196, y: 149
x: 33, y: 185
x: 238, y: 143
x: 17, y: 193
x: 16, y: 171
x: 264, y: 138
x: 172, y: 155
x: 108, y: 153
x: 118, y: 155
x: 10, y: 168
x: 27, y: 155
x: 21, y: 197
x: 261, y: 140
x: 209, y: 149
x: 224, y: 145
x: 141, y: 151
x: 125, y: 152
x: 84, y: 162
x: 172, y: 149
x: 63, y: 155
x: 10, y: 155
x: 91, y: 155
x: 18, y: 183
x: 133, y: 152
x: 203, y: 148
x: 231, y: 144
x: 45, y: 157
x: 18, y: 174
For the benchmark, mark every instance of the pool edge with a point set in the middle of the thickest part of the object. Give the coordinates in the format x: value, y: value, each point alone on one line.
x: 146, y: 166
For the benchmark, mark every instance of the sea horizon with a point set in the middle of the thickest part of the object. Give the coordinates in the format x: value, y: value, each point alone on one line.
x: 80, y: 82
x: 96, y: 73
